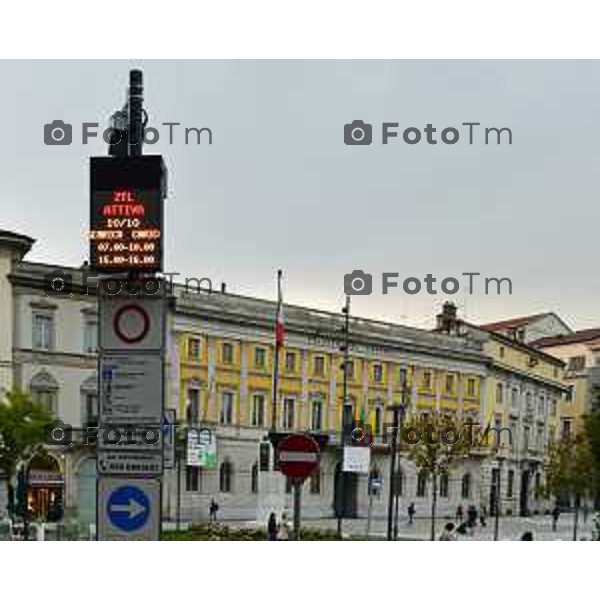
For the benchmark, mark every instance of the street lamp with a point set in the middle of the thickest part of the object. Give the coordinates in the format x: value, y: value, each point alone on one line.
x: 497, y: 497
x: 398, y: 467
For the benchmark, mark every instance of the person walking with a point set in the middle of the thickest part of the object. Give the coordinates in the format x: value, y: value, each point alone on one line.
x: 482, y: 515
x: 527, y: 537
x: 448, y: 535
x: 411, y: 512
x: 471, y: 516
x: 460, y: 513
x: 586, y: 512
x: 285, y: 527
x: 213, y: 510
x: 272, y: 528
x: 555, y: 516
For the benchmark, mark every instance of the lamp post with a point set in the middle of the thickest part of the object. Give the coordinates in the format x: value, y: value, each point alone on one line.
x: 497, y: 497
x: 398, y: 467
x: 346, y: 353
x: 397, y: 410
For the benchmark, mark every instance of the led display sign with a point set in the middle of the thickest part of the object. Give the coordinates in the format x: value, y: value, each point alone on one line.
x: 126, y: 214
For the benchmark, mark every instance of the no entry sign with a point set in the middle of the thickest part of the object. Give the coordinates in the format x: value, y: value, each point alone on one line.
x: 298, y: 456
x: 132, y: 323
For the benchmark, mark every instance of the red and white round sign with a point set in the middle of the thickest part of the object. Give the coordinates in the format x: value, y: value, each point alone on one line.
x: 298, y: 456
x: 131, y: 323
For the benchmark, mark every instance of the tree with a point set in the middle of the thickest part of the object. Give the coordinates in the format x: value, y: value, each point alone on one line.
x: 22, y: 422
x: 592, y: 432
x: 569, y: 470
x: 435, y: 442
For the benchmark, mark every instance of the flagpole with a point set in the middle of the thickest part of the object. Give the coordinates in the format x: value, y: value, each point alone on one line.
x: 276, y: 356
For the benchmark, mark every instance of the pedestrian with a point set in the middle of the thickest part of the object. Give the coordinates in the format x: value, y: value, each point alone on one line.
x: 272, y: 528
x: 285, y: 527
x: 555, y: 515
x: 411, y: 512
x: 213, y: 510
x: 462, y: 529
x: 482, y: 515
x: 460, y: 514
x: 471, y: 516
x: 586, y: 512
x: 448, y: 535
x: 527, y: 537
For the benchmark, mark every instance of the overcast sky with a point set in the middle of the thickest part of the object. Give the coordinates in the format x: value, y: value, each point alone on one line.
x: 278, y: 188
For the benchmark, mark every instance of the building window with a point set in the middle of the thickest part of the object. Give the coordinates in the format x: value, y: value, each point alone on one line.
x: 288, y: 413
x: 254, y: 484
x: 444, y: 485
x: 501, y: 351
x: 510, y: 483
x: 526, y: 438
x: 553, y: 406
x: 90, y: 400
x: 403, y: 376
x: 470, y: 387
x: 566, y: 429
x: 260, y: 358
x: 466, y: 486
x: 576, y: 363
x: 258, y: 410
x: 529, y: 401
x: 192, y: 409
x: 377, y: 372
x: 43, y: 332
x: 449, y: 385
x: 227, y: 353
x: 90, y: 336
x: 44, y: 391
x: 421, y: 484
x: 350, y: 369
x: 319, y: 366
x: 499, y: 393
x: 192, y: 479
x: 377, y: 420
x: 427, y: 381
x: 317, y: 416
x: 226, y: 416
x: 541, y: 405
x: 225, y: 477
x: 315, y: 482
x: 290, y: 362
x: 514, y: 397
x: 194, y: 349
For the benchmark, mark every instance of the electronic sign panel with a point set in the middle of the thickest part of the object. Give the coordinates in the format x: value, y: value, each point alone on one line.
x: 126, y: 214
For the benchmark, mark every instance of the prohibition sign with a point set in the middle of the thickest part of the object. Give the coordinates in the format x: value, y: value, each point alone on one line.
x: 131, y: 323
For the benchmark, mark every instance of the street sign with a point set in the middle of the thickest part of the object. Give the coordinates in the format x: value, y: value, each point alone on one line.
x: 201, y: 448
x: 126, y: 213
x: 128, y: 509
x: 132, y: 323
x: 357, y: 459
x: 298, y: 456
x: 131, y: 388
x: 137, y: 463
x: 169, y: 437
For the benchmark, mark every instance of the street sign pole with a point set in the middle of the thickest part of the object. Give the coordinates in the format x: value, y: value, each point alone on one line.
x: 297, y: 505
x: 127, y: 191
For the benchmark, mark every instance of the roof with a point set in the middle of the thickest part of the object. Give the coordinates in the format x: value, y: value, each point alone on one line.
x: 510, y: 323
x: 584, y: 335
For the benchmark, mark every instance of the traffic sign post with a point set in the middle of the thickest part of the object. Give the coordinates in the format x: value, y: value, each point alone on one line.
x: 126, y: 238
x: 128, y: 509
x: 298, y: 457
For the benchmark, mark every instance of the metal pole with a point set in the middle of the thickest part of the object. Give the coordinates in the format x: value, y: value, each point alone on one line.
x: 497, y: 502
x: 136, y: 99
x: 390, y: 516
x: 178, y: 515
x: 346, y: 347
x: 398, y: 466
x: 297, y: 504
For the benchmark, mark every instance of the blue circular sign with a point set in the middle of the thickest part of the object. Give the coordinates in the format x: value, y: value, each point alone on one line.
x: 128, y: 508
